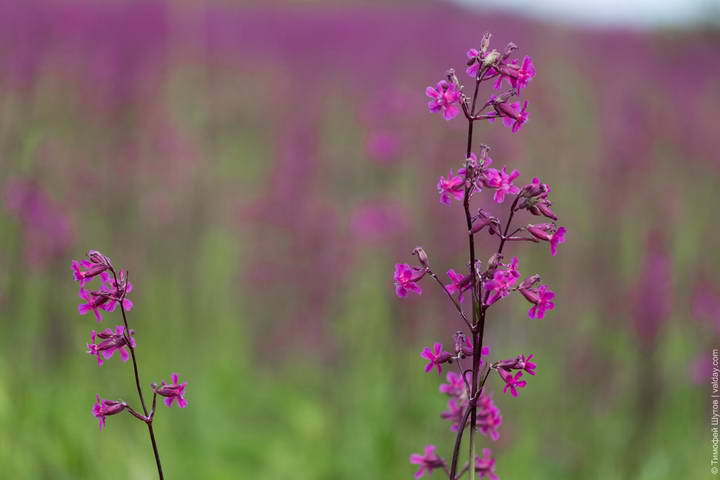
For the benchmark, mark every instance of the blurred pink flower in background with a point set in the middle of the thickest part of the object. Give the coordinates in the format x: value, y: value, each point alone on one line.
x: 45, y: 226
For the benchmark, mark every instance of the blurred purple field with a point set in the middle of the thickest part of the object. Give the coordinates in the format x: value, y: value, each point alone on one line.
x: 259, y: 169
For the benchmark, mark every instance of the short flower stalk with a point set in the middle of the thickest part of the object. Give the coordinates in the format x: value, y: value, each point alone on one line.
x: 471, y: 408
x: 112, y: 292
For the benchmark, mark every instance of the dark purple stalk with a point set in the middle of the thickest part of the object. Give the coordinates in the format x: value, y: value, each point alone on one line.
x: 148, y: 419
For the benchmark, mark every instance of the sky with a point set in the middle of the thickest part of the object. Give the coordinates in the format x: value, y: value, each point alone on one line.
x: 603, y: 13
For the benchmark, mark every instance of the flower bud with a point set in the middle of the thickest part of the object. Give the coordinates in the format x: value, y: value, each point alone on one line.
x: 485, y: 42
x: 422, y: 256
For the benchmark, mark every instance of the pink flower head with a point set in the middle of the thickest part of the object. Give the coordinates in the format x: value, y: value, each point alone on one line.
x: 460, y: 283
x: 406, y: 278
x: 513, y: 116
x: 535, y: 188
x: 118, y: 290
x: 541, y: 300
x: 518, y: 75
x: 428, y: 461
x: 454, y: 413
x: 521, y: 362
x: 548, y: 232
x: 93, y: 302
x: 485, y: 465
x: 524, y: 363
x: 452, y: 187
x: 437, y: 356
x: 445, y: 98
x: 511, y: 383
x: 111, y: 292
x: 172, y: 392
x: 473, y: 56
x: 488, y: 417
x: 90, y: 271
x: 104, y: 408
x: 502, y: 181
x: 111, y: 342
x: 455, y: 386
x: 502, y: 282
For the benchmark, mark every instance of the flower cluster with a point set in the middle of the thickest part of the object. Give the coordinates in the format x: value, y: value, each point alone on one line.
x: 470, y: 407
x: 114, y: 286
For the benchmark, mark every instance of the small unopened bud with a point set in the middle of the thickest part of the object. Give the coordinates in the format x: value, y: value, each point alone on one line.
x: 97, y: 257
x: 544, y: 207
x: 511, y: 47
x: 422, y: 256
x: 530, y: 282
x: 452, y: 78
x: 485, y: 42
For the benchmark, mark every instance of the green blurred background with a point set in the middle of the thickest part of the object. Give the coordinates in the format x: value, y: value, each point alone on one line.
x: 260, y: 169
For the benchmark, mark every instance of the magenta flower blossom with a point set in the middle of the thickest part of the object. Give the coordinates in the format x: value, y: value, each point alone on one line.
x: 513, y: 116
x: 541, y: 300
x: 406, y: 278
x: 91, y: 270
x: 511, y: 383
x: 437, y: 356
x: 445, y: 98
x: 548, y: 232
x: 111, y: 343
x: 452, y: 187
x: 525, y: 364
x: 455, y: 386
x: 460, y: 283
x: 93, y: 302
x: 428, y: 461
x: 521, y: 362
x: 502, y: 181
x: 502, y: 282
x: 488, y: 417
x: 454, y: 413
x: 104, y: 408
x: 173, y: 392
x: 485, y: 465
x: 518, y: 76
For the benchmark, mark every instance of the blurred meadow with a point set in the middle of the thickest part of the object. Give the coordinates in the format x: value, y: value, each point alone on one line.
x: 260, y: 169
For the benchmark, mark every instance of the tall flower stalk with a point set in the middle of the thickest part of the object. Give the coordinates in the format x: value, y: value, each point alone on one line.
x: 470, y: 405
x: 114, y: 288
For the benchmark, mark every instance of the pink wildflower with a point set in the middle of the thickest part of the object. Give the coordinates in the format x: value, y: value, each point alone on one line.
x: 485, y: 465
x: 93, y: 302
x: 452, y: 187
x: 111, y: 343
x: 502, y: 282
x: 455, y: 386
x: 548, y: 232
x: 437, y: 356
x: 104, y: 408
x: 445, y: 98
x: 518, y: 76
x: 511, y: 383
x: 488, y: 417
x: 406, y: 278
x: 513, y: 116
x: 541, y: 300
x: 460, y: 283
x: 91, y: 270
x: 172, y: 392
x: 428, y: 461
x: 502, y: 181
x: 455, y: 413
